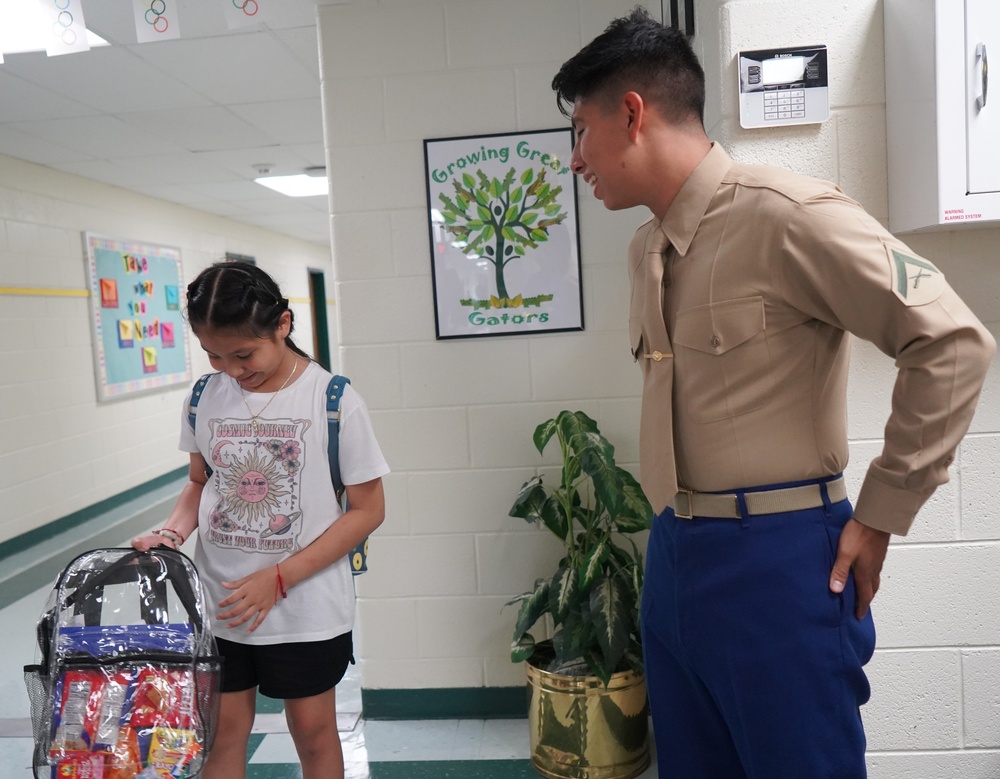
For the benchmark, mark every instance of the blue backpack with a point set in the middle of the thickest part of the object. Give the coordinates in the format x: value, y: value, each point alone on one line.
x: 334, y: 391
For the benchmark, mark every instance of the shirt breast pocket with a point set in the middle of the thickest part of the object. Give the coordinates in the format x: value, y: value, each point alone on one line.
x: 723, y: 361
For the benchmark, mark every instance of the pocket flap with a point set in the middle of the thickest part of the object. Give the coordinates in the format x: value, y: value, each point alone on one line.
x: 718, y: 327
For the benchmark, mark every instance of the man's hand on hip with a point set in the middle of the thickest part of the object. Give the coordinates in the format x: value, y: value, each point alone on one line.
x: 861, y: 549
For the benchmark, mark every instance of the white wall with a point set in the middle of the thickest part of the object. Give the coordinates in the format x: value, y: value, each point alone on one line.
x: 455, y: 418
x: 62, y: 450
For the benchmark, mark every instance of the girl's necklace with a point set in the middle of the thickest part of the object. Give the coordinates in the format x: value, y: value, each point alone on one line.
x: 253, y: 416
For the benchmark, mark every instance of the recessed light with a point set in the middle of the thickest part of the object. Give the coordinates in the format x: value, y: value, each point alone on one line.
x: 299, y: 185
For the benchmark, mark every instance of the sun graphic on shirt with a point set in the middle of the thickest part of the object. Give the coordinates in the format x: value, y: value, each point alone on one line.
x: 251, y: 487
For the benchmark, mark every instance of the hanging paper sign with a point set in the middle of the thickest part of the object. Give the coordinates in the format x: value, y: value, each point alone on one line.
x: 240, y: 13
x: 155, y: 20
x: 66, y: 30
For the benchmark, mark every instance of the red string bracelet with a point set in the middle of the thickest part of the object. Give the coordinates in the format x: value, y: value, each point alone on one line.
x: 281, y: 584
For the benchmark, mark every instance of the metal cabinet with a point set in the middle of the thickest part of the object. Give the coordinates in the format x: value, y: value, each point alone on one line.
x: 942, y: 120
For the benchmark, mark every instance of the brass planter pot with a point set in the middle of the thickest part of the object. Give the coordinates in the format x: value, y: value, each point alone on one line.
x: 582, y: 730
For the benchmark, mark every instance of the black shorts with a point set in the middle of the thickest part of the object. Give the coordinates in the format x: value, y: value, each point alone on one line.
x: 293, y: 670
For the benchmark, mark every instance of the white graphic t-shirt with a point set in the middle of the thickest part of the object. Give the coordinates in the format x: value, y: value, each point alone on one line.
x: 270, y: 494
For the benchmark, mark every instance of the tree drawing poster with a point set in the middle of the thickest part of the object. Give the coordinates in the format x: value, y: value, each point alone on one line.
x: 505, y: 249
x: 140, y: 341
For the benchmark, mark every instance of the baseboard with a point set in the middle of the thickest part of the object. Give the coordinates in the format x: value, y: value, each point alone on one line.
x: 446, y: 703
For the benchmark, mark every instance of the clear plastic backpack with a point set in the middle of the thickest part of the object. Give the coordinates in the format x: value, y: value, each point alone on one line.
x: 126, y: 682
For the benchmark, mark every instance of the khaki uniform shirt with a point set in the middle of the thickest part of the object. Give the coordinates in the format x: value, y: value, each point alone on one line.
x: 741, y: 329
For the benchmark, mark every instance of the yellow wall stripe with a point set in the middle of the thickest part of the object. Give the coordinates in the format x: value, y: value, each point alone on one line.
x: 70, y: 293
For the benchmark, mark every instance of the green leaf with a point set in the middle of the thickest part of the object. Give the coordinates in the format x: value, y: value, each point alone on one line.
x: 529, y: 218
x: 529, y: 501
x: 593, y: 563
x: 468, y: 181
x: 532, y: 607
x: 553, y: 209
x: 522, y: 648
x: 484, y: 213
x: 516, y: 195
x: 543, y: 433
x: 563, y: 593
x: 527, y: 176
x: 511, y: 213
x: 507, y: 233
x: 495, y: 188
x: 539, y: 235
x: 489, y: 232
x: 599, y: 464
x: 474, y: 224
x: 482, y: 198
x: 610, y: 610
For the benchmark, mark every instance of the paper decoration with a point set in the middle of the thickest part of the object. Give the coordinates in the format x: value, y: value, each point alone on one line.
x: 241, y: 13
x: 149, y: 359
x: 155, y: 20
x: 167, y: 334
x: 109, y: 293
x: 125, y: 334
x: 173, y: 298
x: 67, y: 32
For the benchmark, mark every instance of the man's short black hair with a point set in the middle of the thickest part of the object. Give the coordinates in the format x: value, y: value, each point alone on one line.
x: 639, y: 54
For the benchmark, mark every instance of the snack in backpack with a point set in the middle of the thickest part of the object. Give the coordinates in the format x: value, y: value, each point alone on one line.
x: 79, y: 765
x: 125, y: 760
x: 114, y: 710
x: 76, y: 711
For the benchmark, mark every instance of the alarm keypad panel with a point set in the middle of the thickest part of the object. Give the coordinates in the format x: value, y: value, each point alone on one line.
x: 783, y: 86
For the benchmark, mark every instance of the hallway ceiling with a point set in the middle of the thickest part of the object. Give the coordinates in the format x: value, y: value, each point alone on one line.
x: 184, y: 120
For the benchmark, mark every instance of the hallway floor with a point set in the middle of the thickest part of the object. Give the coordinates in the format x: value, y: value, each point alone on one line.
x: 407, y: 749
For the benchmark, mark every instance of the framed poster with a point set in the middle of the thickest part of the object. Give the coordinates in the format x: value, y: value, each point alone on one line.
x: 140, y: 338
x: 505, y: 244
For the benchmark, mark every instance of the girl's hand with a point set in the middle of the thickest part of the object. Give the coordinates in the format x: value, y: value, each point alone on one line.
x: 148, y: 541
x: 252, y: 598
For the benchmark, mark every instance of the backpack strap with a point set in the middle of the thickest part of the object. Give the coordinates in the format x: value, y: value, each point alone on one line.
x: 334, y: 392
x: 199, y: 387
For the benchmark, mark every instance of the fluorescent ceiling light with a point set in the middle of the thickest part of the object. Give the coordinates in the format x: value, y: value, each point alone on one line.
x: 24, y: 26
x: 300, y: 185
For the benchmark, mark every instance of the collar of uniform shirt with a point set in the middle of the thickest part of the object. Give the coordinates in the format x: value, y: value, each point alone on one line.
x: 688, y: 209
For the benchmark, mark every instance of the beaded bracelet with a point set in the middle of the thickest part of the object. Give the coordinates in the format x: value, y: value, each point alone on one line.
x: 171, y: 535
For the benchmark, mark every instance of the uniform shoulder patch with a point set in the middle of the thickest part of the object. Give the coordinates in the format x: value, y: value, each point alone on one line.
x: 915, y: 280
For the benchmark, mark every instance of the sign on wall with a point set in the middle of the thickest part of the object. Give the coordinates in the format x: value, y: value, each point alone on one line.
x: 505, y: 252
x: 140, y: 341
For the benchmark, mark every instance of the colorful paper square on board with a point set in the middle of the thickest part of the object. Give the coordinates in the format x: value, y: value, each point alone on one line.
x: 125, y: 338
x: 109, y: 293
x: 173, y: 298
x: 167, y: 334
x: 138, y: 330
x: 149, y: 359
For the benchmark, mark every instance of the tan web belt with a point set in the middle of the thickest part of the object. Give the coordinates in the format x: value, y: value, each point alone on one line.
x: 688, y: 503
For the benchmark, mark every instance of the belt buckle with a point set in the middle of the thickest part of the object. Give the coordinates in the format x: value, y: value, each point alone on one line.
x: 689, y: 494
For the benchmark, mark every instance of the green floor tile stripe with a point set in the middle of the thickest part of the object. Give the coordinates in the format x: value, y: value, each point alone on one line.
x: 454, y: 769
x: 446, y: 703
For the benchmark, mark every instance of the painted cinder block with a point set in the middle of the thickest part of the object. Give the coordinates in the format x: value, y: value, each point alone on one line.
x: 467, y: 501
x: 915, y: 700
x: 473, y: 371
x: 981, y: 698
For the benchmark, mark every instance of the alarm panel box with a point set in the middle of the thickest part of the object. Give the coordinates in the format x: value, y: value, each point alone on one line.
x: 942, y: 120
x: 783, y: 86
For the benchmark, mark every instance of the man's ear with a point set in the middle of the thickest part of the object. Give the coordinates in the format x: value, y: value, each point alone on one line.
x: 634, y: 107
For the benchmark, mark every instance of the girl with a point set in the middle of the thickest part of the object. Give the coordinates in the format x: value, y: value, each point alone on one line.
x: 272, y: 538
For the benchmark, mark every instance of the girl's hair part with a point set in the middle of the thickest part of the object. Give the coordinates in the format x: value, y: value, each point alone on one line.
x: 241, y: 298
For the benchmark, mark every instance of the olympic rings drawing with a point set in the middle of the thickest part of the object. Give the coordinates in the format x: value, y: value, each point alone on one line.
x: 158, y: 9
x: 246, y: 6
x: 64, y: 21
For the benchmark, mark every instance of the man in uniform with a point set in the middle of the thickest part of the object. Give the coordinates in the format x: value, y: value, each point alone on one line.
x: 745, y: 284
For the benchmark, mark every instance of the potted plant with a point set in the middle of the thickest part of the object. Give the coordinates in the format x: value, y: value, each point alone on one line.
x: 587, y: 689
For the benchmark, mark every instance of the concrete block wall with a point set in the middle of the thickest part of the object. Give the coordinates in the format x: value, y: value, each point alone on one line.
x: 63, y: 451
x: 455, y: 418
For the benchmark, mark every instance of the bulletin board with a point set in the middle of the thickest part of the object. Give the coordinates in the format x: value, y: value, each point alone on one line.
x: 140, y: 338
